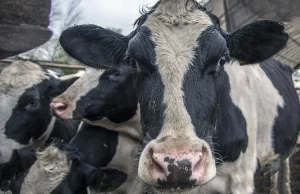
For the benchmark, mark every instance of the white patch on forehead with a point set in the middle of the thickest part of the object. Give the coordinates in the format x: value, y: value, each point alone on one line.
x: 21, y: 75
x: 175, y: 30
x: 49, y: 170
x: 88, y: 81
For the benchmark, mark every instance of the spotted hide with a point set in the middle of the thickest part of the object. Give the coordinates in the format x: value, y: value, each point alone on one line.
x: 214, y: 105
x: 110, y: 132
x: 26, y: 89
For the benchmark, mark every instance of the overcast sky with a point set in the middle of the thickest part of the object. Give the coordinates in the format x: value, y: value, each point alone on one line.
x: 106, y: 13
x: 114, y: 13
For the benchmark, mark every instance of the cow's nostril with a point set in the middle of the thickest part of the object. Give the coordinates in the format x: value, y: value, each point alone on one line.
x: 197, y: 166
x: 158, y: 168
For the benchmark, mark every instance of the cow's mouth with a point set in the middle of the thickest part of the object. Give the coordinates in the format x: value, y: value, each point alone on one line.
x: 178, y: 188
x: 175, y: 189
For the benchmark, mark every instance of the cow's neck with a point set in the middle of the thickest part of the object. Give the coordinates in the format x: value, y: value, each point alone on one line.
x: 7, y: 145
x: 40, y: 142
x: 131, y: 127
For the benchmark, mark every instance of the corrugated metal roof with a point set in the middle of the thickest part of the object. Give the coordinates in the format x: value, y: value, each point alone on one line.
x: 241, y: 12
x: 291, y: 54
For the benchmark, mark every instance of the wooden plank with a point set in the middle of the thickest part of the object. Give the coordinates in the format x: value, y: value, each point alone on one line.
x: 47, y: 64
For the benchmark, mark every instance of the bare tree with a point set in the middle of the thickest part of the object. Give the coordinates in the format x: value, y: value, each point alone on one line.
x: 60, y: 19
x: 73, y: 15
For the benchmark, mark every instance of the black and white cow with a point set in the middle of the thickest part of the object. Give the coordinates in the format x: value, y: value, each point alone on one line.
x: 208, y: 116
x: 110, y: 133
x: 58, y: 169
x: 26, y: 89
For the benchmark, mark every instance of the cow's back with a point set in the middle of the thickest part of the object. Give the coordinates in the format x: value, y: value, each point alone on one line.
x: 266, y: 96
x: 287, y: 124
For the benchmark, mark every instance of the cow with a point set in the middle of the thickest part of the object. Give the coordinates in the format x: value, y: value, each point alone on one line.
x: 57, y: 169
x: 26, y: 89
x: 214, y: 105
x: 110, y: 132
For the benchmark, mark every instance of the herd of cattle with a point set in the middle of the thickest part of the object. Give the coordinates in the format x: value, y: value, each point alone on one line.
x: 177, y: 106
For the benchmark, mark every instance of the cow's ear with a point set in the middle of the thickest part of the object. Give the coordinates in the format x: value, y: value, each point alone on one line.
x: 66, y: 82
x: 257, y: 41
x: 58, y: 86
x: 94, y: 46
x: 105, y: 179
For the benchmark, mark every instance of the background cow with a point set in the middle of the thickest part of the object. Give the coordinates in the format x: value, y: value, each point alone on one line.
x: 58, y: 169
x: 209, y: 118
x: 110, y: 134
x: 26, y: 89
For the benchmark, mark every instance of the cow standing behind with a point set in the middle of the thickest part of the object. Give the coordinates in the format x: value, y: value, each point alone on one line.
x: 58, y: 169
x: 110, y: 133
x: 209, y: 118
x: 26, y: 89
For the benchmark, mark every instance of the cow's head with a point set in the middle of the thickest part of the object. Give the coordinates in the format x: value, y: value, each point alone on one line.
x: 57, y: 169
x: 26, y: 89
x: 109, y: 92
x: 179, y: 53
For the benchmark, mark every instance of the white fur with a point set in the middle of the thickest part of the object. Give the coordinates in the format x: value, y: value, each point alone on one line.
x: 49, y: 170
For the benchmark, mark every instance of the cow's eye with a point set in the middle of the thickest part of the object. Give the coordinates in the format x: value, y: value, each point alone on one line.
x: 132, y: 62
x: 224, y: 59
x: 32, y: 104
x: 117, y: 74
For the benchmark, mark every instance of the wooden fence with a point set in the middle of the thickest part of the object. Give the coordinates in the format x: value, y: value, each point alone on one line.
x: 66, y: 68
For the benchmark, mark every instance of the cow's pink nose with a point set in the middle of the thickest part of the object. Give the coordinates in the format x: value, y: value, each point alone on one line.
x: 183, y: 170
x: 59, y: 108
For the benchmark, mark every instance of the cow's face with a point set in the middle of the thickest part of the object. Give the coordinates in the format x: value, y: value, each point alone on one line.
x: 178, y: 52
x: 58, y: 170
x: 98, y: 93
x: 25, y: 93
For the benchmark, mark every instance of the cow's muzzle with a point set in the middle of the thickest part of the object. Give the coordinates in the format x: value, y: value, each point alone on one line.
x: 176, y: 164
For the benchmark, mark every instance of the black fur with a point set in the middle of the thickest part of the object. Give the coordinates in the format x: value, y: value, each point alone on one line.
x: 13, y: 172
x: 141, y: 47
x: 97, y: 145
x: 80, y: 176
x: 91, y: 45
x: 31, y: 116
x: 83, y: 174
x: 257, y: 41
x: 115, y: 97
x: 287, y: 124
x: 230, y: 138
